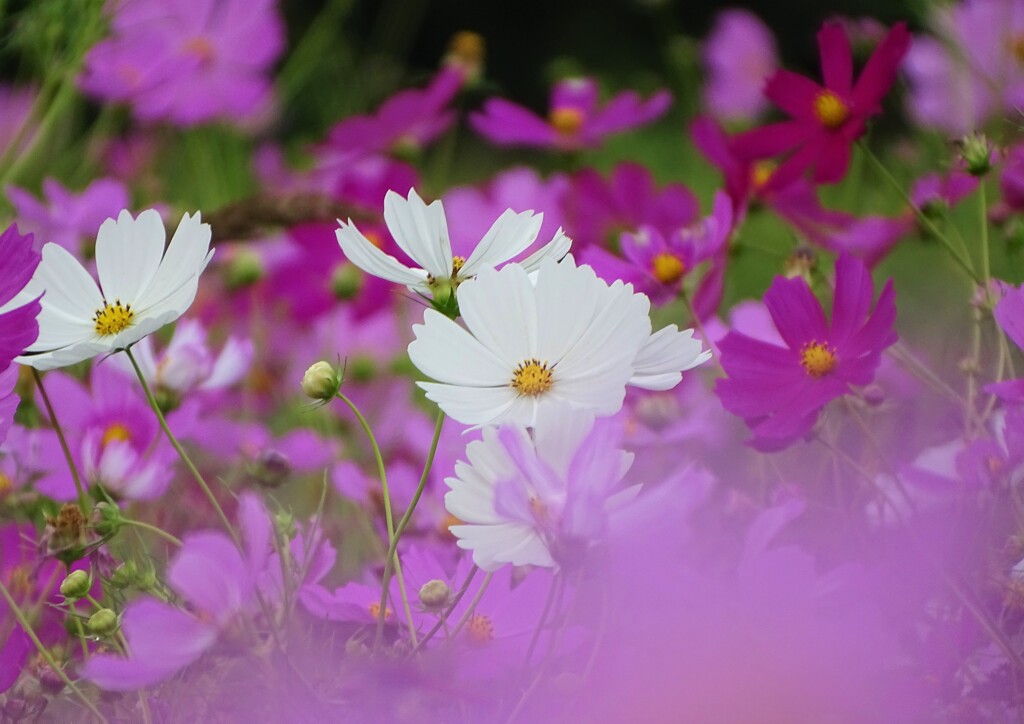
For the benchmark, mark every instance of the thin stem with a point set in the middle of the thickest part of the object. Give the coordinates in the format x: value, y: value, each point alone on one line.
x: 393, y: 545
x: 965, y: 264
x: 389, y: 521
x: 986, y: 269
x: 442, y: 622
x: 45, y: 653
x: 83, y: 501
x: 181, y: 451
x: 153, y: 529
x: 472, y: 604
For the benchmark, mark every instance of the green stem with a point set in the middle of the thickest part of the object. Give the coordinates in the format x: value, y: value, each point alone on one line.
x: 472, y: 604
x: 45, y: 653
x: 965, y: 264
x: 153, y: 529
x: 442, y: 621
x: 181, y: 451
x: 986, y: 269
x: 389, y: 522
x: 83, y: 501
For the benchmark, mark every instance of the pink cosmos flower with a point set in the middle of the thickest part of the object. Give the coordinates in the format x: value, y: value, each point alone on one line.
x: 779, y: 390
x: 574, y: 120
x: 1011, y: 181
x: 217, y: 580
x: 825, y: 120
x: 739, y: 55
x: 187, y: 61
x: 18, y: 312
x: 67, y: 218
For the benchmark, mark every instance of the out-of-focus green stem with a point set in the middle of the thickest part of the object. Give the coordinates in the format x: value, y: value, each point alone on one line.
x: 83, y: 500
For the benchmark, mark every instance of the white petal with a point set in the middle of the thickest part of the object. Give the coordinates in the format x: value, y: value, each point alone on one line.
x: 510, y: 234
x: 500, y: 309
x: 555, y: 249
x: 471, y: 405
x: 421, y: 231
x: 507, y: 543
x: 361, y: 252
x: 176, y: 281
x: 128, y: 253
x: 69, y: 288
x: 446, y: 352
x: 663, y: 358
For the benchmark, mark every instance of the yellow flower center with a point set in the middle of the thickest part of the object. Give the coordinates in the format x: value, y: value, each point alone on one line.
x: 566, y: 121
x: 457, y: 263
x: 115, y: 431
x: 830, y: 109
x: 20, y: 581
x: 113, y: 319
x: 6, y: 484
x: 762, y: 172
x: 201, y: 47
x: 467, y: 47
x: 374, y: 609
x: 817, y: 359
x: 480, y: 629
x: 1017, y: 48
x: 667, y: 268
x: 532, y: 378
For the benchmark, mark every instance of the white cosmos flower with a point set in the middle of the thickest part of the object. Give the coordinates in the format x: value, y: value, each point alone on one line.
x: 141, y: 288
x: 421, y: 231
x: 566, y: 338
x: 538, y: 500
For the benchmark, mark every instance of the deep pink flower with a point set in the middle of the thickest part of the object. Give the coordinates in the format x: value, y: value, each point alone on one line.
x: 575, y: 120
x: 825, y: 120
x: 1011, y: 181
x: 187, y: 61
x: 779, y: 390
x: 739, y: 55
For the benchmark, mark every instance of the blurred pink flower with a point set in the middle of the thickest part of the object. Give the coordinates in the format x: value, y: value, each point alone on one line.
x: 739, y: 55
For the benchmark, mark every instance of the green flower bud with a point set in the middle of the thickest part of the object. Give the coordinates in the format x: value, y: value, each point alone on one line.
x: 103, y: 623
x: 76, y: 585
x: 346, y: 281
x: 976, y: 152
x: 106, y: 519
x: 244, y: 269
x: 434, y: 594
x: 124, y: 575
x: 321, y: 381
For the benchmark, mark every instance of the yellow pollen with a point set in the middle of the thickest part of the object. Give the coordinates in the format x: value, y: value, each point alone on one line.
x: 6, y: 484
x: 566, y: 121
x: 457, y: 263
x: 201, y: 47
x: 467, y: 47
x: 113, y: 318
x: 817, y: 359
x: 532, y: 378
x: 994, y: 464
x: 480, y: 629
x: 762, y: 172
x: 667, y: 268
x: 374, y: 609
x: 115, y: 431
x: 830, y: 109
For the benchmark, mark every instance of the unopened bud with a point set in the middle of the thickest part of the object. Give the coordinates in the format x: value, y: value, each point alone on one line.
x: 976, y: 152
x: 284, y: 522
x: 76, y: 585
x: 103, y: 622
x: 434, y: 594
x: 124, y: 575
x: 800, y: 263
x: 106, y: 519
x: 346, y: 281
x: 271, y: 468
x: 321, y: 381
x: 244, y: 269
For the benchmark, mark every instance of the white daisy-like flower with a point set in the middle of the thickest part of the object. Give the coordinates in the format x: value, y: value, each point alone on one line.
x: 540, y: 499
x: 566, y: 337
x: 421, y: 231
x: 141, y: 288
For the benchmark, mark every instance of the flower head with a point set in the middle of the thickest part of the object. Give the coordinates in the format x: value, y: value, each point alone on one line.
x: 779, y: 390
x: 19, y: 306
x: 421, y: 231
x: 740, y: 55
x: 142, y: 287
x: 570, y: 338
x: 574, y: 120
x: 825, y: 120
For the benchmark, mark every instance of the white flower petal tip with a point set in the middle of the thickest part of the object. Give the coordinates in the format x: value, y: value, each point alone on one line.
x: 665, y: 356
x: 143, y: 286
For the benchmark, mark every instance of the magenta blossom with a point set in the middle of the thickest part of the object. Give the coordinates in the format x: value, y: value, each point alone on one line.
x: 18, y: 312
x: 66, y: 218
x: 779, y: 390
x: 739, y: 55
x: 187, y: 61
x: 575, y: 120
x: 825, y: 120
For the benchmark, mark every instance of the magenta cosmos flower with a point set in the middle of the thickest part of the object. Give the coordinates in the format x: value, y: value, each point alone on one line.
x: 18, y: 326
x: 574, y: 120
x: 825, y: 120
x: 187, y: 61
x: 739, y: 56
x: 778, y: 390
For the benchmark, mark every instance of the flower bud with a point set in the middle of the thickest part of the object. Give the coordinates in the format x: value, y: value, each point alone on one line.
x: 106, y: 519
x: 76, y: 585
x: 124, y: 575
x: 244, y: 269
x: 103, y: 622
x: 270, y: 468
x: 321, y: 381
x: 976, y: 152
x: 434, y: 594
x: 346, y: 281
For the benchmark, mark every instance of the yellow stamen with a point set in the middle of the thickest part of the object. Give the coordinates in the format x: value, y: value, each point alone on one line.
x: 115, y: 431
x: 761, y: 173
x: 457, y: 263
x: 6, y: 484
x: 466, y: 47
x: 818, y: 359
x: 201, y: 47
x: 566, y: 121
x: 374, y: 609
x: 113, y: 319
x: 830, y: 109
x: 667, y: 268
x: 480, y: 629
x: 532, y: 378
